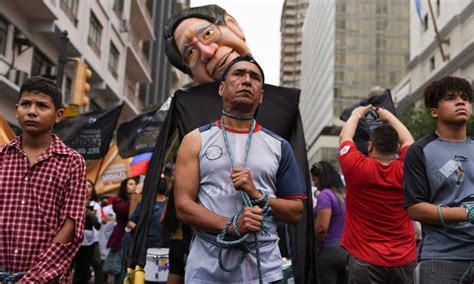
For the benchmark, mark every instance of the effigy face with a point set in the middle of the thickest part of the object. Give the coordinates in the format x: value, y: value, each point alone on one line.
x: 206, y: 46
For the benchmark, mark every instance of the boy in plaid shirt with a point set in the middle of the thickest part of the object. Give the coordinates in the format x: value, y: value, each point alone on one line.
x: 42, y: 192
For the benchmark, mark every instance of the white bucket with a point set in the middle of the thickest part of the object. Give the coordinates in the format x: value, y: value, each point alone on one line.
x: 157, y: 265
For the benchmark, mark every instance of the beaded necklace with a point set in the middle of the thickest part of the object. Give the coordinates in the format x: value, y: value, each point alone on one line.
x: 247, y: 144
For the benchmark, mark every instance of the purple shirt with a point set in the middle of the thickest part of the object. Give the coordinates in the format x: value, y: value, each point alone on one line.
x: 328, y: 200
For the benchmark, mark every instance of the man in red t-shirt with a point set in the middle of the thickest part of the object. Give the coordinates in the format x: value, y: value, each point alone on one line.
x: 378, y: 233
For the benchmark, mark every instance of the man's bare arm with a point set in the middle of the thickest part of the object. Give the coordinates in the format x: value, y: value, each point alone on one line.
x: 403, y: 132
x: 187, y: 187
x: 284, y: 210
x: 287, y: 210
x: 349, y: 128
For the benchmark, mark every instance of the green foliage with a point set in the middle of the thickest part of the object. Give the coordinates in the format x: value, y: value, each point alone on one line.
x: 420, y: 124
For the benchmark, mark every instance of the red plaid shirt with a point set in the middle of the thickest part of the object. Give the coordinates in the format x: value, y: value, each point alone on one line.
x: 34, y: 203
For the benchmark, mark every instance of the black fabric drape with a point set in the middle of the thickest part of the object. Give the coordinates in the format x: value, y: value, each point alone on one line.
x: 89, y: 133
x: 365, y: 127
x: 139, y: 134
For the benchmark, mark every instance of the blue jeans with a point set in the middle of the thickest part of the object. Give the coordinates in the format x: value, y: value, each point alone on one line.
x: 438, y: 271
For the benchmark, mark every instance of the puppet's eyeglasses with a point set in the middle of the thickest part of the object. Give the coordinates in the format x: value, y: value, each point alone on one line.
x: 206, y: 35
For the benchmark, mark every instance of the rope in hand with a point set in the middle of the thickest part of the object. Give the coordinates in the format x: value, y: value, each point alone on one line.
x: 470, y: 218
x: 8, y: 278
x: 264, y: 202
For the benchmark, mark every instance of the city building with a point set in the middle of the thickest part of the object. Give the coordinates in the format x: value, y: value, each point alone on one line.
x: 292, y: 19
x: 166, y: 78
x: 348, y: 48
x: 433, y: 55
x: 108, y: 35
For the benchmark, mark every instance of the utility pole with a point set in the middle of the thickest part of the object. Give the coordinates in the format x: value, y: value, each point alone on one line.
x: 64, y: 41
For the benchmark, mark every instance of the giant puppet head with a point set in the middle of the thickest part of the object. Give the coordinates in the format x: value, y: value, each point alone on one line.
x: 201, y: 41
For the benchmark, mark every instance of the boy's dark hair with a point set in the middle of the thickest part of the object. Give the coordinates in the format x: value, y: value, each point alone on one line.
x: 38, y: 84
x: 437, y: 90
x: 385, y: 139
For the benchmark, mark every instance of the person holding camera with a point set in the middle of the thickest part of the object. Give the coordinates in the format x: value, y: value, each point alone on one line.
x: 378, y: 233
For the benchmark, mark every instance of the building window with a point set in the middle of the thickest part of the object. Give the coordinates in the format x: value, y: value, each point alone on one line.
x: 341, y: 24
x: 146, y: 48
x: 393, y: 78
x: 438, y: 7
x: 68, y: 89
x: 341, y: 7
x: 381, y: 42
x: 69, y: 8
x: 426, y: 22
x: 41, y: 65
x: 95, y: 34
x: 3, y: 36
x: 432, y: 63
x: 113, y: 60
x: 118, y: 7
x: 149, y: 6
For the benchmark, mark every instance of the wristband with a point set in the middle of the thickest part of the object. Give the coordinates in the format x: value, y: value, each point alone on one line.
x: 440, y: 215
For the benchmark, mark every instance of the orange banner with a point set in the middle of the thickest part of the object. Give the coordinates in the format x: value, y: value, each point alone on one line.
x: 6, y: 132
x: 111, y: 171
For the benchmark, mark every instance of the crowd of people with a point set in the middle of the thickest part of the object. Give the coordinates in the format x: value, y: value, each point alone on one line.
x: 109, y: 225
x: 235, y: 181
x: 365, y: 223
x: 365, y: 231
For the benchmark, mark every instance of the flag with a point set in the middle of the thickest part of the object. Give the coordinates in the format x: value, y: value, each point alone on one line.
x: 366, y: 126
x: 107, y: 173
x: 89, y: 133
x: 139, y: 164
x: 6, y: 133
x: 139, y: 134
x: 202, y: 104
x: 419, y: 11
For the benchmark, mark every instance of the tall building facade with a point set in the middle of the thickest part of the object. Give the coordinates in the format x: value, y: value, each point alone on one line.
x: 433, y: 57
x: 348, y: 48
x: 108, y: 35
x: 291, y: 28
x: 166, y: 79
